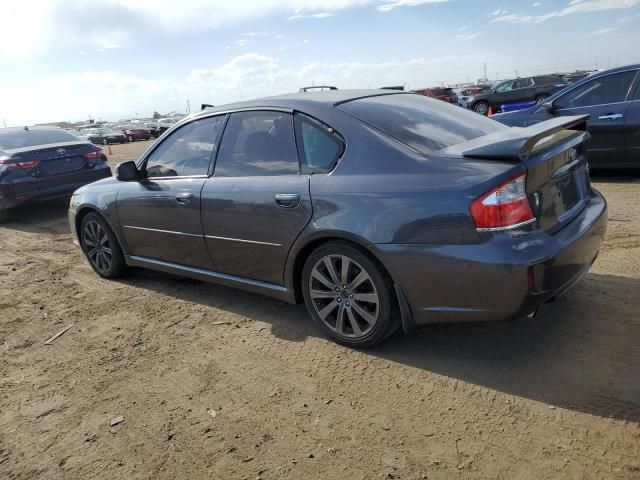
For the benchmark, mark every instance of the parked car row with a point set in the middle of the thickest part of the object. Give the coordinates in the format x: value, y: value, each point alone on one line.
x: 488, y: 99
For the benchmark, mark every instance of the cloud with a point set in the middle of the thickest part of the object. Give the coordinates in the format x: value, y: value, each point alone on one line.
x: 461, y: 29
x: 499, y: 11
x: 575, y: 6
x: 56, y: 24
x: 536, y: 4
x: 300, y: 16
x: 603, y: 31
x: 468, y: 36
x: 386, y: 7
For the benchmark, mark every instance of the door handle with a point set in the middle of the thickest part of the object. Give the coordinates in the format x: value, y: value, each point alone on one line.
x: 184, y: 198
x: 287, y: 200
x: 610, y: 116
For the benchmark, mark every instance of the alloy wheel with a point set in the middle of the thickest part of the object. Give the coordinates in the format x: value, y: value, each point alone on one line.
x: 97, y: 245
x: 344, y: 296
x: 481, y: 108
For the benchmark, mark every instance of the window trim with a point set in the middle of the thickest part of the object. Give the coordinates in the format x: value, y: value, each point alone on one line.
x: 142, y: 162
x: 590, y: 79
x: 289, y: 111
x: 300, y: 147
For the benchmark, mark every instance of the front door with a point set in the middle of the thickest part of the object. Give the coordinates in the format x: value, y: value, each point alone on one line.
x: 605, y: 99
x: 257, y: 202
x: 160, y: 214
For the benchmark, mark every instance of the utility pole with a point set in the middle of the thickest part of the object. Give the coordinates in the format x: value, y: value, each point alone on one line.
x: 516, y: 73
x: 4, y: 123
x: 188, y: 106
x: 485, y: 72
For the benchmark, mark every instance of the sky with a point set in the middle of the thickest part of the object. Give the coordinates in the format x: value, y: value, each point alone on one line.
x: 113, y: 59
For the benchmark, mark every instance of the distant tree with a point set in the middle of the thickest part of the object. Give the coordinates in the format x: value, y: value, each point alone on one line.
x: 156, y: 115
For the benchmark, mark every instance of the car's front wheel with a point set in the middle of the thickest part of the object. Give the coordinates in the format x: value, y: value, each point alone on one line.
x: 101, y: 246
x: 347, y: 295
x: 481, y: 107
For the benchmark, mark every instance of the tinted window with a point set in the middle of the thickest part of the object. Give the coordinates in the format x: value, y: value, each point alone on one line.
x: 319, y: 148
x: 257, y: 143
x: 30, y: 138
x: 599, y: 91
x: 421, y: 122
x: 505, y: 87
x: 187, y: 151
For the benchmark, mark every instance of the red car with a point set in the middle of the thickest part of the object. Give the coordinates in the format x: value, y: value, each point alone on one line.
x: 441, y: 93
x: 136, y: 133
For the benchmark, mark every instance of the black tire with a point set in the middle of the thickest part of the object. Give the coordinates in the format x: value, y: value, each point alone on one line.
x: 324, y: 298
x: 541, y: 98
x: 4, y: 215
x: 481, y: 107
x: 99, y: 259
x: 105, y: 141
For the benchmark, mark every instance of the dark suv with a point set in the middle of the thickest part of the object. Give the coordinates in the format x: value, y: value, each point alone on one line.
x: 525, y: 89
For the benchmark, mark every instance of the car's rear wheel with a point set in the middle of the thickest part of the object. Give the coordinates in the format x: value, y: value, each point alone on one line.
x: 347, y: 295
x: 101, y: 246
x: 481, y: 107
x: 541, y: 98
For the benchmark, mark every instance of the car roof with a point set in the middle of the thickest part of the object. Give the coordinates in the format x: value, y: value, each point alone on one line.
x: 299, y: 100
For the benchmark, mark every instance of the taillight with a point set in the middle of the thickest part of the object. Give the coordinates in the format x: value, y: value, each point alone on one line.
x: 99, y: 155
x: 506, y: 206
x: 7, y: 164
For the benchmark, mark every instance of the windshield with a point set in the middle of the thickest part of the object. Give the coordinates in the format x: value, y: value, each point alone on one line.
x: 423, y: 123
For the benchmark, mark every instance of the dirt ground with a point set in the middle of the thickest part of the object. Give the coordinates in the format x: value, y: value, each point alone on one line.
x: 220, y: 384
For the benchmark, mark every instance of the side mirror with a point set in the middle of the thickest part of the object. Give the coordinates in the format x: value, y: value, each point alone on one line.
x: 127, y: 171
x: 548, y: 107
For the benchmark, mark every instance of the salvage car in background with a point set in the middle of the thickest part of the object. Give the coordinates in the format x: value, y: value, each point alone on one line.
x: 361, y: 203
x: 441, y: 93
x: 135, y: 132
x: 519, y: 90
x: 103, y: 136
x: 42, y: 163
x: 612, y: 100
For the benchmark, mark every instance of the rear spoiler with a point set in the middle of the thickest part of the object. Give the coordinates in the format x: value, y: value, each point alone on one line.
x: 517, y: 143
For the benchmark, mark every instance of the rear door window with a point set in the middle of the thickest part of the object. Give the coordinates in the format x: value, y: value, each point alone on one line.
x: 257, y: 143
x: 599, y: 91
x: 31, y: 138
x: 319, y: 147
x: 187, y: 151
x: 422, y: 123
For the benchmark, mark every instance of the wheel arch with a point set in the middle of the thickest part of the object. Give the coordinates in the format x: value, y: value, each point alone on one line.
x: 86, y: 209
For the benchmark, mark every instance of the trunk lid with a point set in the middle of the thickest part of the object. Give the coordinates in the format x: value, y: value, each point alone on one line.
x: 59, y: 159
x: 554, y: 153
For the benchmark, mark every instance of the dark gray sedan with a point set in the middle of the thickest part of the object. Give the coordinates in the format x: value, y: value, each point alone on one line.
x: 378, y: 209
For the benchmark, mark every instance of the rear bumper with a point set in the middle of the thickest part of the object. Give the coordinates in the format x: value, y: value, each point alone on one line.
x: 32, y: 188
x: 490, y: 281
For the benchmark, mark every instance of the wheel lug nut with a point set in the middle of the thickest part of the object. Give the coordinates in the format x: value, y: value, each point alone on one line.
x: 338, y: 299
x: 337, y: 289
x: 344, y: 286
x: 348, y: 304
x: 351, y: 295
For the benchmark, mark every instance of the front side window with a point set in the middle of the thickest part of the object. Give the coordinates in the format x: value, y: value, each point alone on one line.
x: 187, y: 151
x: 257, y: 143
x: 318, y: 147
x: 505, y: 87
x: 599, y: 91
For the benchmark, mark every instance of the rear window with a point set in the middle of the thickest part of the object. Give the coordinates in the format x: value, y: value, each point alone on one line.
x: 32, y: 138
x: 423, y: 123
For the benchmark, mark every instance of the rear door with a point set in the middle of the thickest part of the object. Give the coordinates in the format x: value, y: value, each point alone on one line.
x: 160, y: 214
x: 257, y: 202
x: 606, y: 100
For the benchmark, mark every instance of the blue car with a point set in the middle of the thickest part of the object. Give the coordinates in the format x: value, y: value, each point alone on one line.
x: 612, y: 101
x: 42, y: 163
